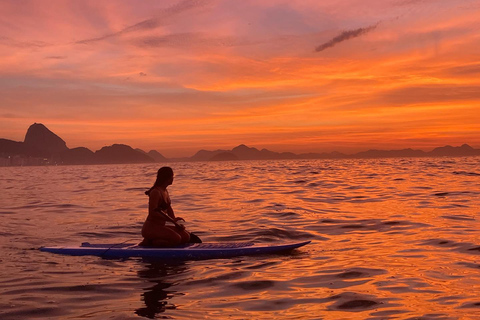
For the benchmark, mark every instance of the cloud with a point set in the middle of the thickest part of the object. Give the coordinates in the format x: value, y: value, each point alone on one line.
x: 10, y: 116
x: 465, y: 70
x: 23, y: 44
x: 409, y: 2
x: 153, y: 23
x: 344, y: 36
x: 143, y: 25
x: 437, y: 94
x: 191, y: 39
x: 56, y: 57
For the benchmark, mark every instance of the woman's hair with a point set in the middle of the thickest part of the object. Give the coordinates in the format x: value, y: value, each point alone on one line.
x: 163, y: 174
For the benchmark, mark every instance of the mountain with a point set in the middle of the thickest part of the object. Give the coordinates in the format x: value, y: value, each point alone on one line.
x: 390, y: 153
x: 464, y: 150
x: 78, y: 155
x: 157, y: 156
x: 241, y: 152
x: 245, y: 153
x: 120, y: 153
x: 41, y: 141
x: 41, y: 146
x: 204, y: 155
x: 9, y: 147
x: 154, y: 154
x: 224, y: 156
x: 324, y: 155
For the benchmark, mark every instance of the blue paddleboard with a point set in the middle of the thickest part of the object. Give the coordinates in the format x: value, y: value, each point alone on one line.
x: 192, y: 251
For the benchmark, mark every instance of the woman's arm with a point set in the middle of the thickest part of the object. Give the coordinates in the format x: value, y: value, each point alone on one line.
x: 153, y: 201
x: 171, y: 214
x: 169, y: 210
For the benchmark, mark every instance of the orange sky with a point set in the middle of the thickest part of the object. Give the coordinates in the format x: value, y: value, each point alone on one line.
x: 301, y: 76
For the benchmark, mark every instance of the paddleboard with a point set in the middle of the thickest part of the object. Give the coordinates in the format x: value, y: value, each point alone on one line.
x: 189, y: 251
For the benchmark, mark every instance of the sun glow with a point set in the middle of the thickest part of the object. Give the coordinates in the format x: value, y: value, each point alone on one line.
x: 152, y: 75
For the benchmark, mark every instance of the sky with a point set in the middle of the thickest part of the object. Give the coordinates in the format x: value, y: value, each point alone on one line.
x: 300, y: 76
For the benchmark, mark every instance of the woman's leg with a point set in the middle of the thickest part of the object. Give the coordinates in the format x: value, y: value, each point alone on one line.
x: 160, y: 243
x: 161, y: 236
x: 184, y: 235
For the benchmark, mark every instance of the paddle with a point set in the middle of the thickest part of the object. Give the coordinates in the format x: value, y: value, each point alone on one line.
x: 193, y: 237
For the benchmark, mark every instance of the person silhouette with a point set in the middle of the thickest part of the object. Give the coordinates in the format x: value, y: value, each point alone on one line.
x: 155, y: 232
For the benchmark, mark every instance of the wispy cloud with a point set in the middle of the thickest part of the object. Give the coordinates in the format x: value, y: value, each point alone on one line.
x: 56, y: 57
x: 152, y: 23
x: 143, y: 25
x: 344, y: 36
x: 408, y: 2
x: 23, y: 44
x: 10, y: 116
x: 192, y: 39
x: 465, y: 70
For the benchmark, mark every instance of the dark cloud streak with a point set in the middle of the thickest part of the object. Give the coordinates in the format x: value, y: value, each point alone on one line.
x: 56, y: 57
x: 23, y: 44
x: 408, y: 2
x: 465, y: 70
x: 144, y: 25
x: 153, y: 23
x: 344, y: 36
x: 191, y: 39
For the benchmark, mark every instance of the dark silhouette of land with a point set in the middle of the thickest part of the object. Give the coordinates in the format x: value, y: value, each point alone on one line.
x: 43, y: 147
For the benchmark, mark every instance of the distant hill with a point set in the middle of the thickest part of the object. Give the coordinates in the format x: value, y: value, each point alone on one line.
x: 79, y: 155
x: 9, y: 147
x: 42, y: 146
x: 120, y: 153
x: 246, y: 153
x: 464, y: 150
x: 40, y: 140
x: 405, y: 153
x: 204, y: 155
x: 242, y: 152
x: 449, y: 151
x: 331, y: 155
x: 224, y: 156
x: 154, y: 154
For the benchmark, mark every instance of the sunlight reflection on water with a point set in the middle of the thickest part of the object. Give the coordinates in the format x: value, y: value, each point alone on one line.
x: 392, y: 238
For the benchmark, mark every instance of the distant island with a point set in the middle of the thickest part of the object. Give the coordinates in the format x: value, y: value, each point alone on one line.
x: 43, y: 147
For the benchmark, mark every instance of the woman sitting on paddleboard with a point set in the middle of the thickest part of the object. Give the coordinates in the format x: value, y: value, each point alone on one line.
x: 155, y: 232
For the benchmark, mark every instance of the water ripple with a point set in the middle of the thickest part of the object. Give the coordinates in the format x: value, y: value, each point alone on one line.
x: 391, y: 238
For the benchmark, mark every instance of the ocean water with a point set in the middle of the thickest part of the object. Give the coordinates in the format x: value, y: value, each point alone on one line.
x: 391, y: 239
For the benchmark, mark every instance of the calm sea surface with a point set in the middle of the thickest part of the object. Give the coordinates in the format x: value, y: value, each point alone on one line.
x: 391, y: 239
